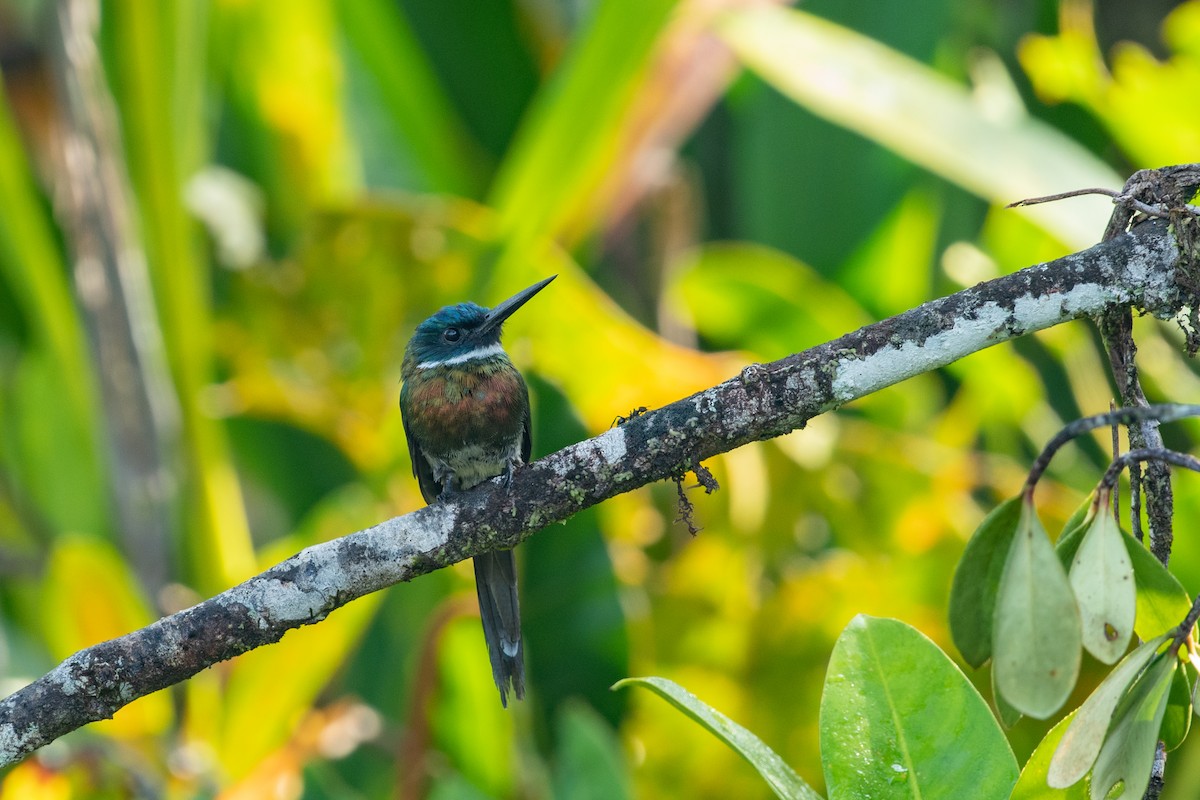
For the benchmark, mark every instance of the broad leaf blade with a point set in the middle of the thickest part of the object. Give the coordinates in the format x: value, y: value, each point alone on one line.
x: 977, y: 580
x: 1102, y: 579
x: 1033, y: 783
x: 1128, y: 752
x: 920, y: 114
x: 1177, y: 721
x: 1072, y: 532
x: 1036, y: 644
x: 1082, y: 741
x: 1162, y: 602
x: 775, y: 771
x: 899, y: 719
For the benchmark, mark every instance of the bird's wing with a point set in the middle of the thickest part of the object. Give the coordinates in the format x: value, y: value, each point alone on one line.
x: 526, y: 441
x: 430, y: 488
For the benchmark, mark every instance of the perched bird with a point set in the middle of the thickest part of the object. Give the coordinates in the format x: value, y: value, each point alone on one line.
x: 465, y: 409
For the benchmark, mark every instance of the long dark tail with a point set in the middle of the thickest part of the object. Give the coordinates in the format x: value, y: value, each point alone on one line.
x: 496, y: 581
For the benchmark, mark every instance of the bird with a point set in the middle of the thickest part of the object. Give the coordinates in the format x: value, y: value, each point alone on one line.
x: 465, y: 410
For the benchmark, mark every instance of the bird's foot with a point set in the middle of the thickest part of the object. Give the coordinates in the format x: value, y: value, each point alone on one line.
x: 448, y: 491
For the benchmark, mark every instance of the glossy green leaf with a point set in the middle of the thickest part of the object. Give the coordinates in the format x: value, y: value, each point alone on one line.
x: 1128, y: 752
x: 1036, y: 644
x: 1162, y: 602
x: 1082, y: 741
x: 858, y: 82
x: 1102, y: 579
x: 589, y: 764
x: 900, y: 720
x: 977, y: 580
x: 1032, y: 785
x: 1177, y: 721
x: 782, y: 779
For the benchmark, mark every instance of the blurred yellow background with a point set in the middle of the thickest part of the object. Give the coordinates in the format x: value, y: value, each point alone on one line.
x: 220, y: 221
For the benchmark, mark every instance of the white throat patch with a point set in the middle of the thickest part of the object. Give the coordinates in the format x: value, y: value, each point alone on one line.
x: 471, y: 355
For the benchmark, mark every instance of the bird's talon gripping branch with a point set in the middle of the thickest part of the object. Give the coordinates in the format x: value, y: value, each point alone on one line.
x: 509, y: 468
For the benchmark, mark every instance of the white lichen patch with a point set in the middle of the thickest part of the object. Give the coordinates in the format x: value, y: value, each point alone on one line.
x: 989, y: 324
x: 611, y: 446
x: 13, y: 744
x: 62, y: 676
x: 706, y: 402
x: 560, y: 465
x: 285, y: 601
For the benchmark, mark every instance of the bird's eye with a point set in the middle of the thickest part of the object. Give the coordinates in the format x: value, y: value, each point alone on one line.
x: 452, y: 334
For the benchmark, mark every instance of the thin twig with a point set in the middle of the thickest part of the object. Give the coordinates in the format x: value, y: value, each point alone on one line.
x: 1185, y: 628
x: 1162, y: 413
x: 1050, y: 198
x: 1159, y: 210
x: 1116, y: 452
x: 1172, y: 457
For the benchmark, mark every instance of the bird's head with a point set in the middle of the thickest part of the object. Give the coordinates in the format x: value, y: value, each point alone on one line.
x: 463, y: 332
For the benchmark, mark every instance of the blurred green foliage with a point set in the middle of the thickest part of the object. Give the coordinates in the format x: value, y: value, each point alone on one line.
x: 716, y: 184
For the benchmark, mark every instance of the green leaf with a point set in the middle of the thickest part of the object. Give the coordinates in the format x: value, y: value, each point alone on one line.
x: 900, y: 720
x: 1162, y: 602
x: 782, y: 779
x: 1082, y: 741
x: 977, y: 580
x: 1008, y: 715
x: 1177, y: 721
x: 434, y: 137
x: 920, y: 114
x: 1072, y: 532
x: 1036, y: 646
x: 1128, y: 752
x: 589, y: 765
x: 1102, y: 579
x: 565, y: 145
x: 1032, y: 785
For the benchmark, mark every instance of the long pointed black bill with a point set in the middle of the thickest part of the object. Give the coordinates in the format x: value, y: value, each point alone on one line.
x: 495, y: 318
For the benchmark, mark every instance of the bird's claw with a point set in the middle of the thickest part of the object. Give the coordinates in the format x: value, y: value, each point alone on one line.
x: 506, y: 479
x: 448, y: 491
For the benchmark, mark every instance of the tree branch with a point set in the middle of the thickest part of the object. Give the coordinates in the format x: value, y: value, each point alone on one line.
x: 764, y: 401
